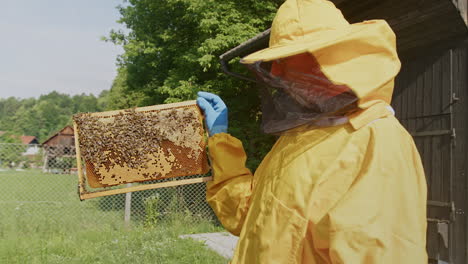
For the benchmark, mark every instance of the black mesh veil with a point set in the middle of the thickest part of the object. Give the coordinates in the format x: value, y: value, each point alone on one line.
x: 294, y: 98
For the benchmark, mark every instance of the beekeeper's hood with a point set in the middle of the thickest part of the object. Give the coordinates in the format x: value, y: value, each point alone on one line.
x: 323, y: 64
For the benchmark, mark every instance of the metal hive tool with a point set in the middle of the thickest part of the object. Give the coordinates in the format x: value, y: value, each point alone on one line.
x: 139, y: 145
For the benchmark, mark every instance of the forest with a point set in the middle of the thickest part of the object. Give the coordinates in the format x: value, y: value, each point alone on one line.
x: 41, y: 117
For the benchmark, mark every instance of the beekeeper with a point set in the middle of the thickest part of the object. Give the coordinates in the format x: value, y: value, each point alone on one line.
x: 344, y: 182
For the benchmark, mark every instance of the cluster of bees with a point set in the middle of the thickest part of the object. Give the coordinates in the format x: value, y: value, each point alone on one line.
x: 131, y: 138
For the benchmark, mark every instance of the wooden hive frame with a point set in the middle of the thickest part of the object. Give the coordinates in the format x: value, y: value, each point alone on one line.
x: 90, y: 179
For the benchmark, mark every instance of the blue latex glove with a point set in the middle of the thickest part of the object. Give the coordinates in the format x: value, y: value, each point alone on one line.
x: 216, y: 112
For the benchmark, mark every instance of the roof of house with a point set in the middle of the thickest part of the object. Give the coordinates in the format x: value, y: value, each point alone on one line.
x: 60, y: 133
x: 29, y: 140
x: 24, y: 139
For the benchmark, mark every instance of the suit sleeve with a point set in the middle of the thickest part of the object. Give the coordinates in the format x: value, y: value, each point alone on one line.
x: 229, y: 192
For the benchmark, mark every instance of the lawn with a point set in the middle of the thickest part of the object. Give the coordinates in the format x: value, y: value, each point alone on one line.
x: 43, y: 221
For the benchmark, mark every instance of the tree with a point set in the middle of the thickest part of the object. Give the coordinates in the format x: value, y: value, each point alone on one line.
x: 121, y: 97
x: 11, y: 150
x: 172, y: 50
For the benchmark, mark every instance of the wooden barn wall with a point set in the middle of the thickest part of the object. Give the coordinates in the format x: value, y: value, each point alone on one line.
x: 418, y: 24
x: 65, y: 137
x: 431, y: 101
x: 61, y: 139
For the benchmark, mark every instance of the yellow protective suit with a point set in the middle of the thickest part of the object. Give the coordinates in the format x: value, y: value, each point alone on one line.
x: 352, y: 193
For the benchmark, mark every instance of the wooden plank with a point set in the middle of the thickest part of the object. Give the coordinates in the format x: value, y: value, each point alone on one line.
x: 417, y: 24
x: 460, y: 170
x: 446, y: 123
x: 410, y: 98
x: 147, y: 108
x: 416, y: 35
x: 415, y: 15
x: 143, y: 187
x: 81, y: 179
x: 404, y: 97
x: 128, y: 206
x: 432, y: 240
x: 418, y: 102
x: 428, y: 110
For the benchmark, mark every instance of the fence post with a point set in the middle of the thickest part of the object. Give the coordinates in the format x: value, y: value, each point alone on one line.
x: 128, y: 206
x: 46, y: 159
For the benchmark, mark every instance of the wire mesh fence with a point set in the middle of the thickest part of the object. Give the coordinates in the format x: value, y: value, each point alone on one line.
x: 39, y: 184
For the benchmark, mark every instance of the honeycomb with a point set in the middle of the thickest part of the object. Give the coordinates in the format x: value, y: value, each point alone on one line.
x: 142, y: 144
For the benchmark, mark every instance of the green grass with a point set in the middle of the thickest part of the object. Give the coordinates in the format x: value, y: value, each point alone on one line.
x: 43, y: 221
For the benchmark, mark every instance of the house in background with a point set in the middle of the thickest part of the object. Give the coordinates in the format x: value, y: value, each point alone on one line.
x: 65, y: 137
x: 31, y: 141
x: 33, y: 145
x: 27, y: 140
x: 59, y: 151
x: 30, y: 150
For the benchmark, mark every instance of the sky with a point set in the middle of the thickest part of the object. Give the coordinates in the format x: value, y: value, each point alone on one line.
x: 55, y: 45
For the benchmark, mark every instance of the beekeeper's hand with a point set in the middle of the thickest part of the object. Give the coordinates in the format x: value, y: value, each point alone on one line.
x: 216, y: 113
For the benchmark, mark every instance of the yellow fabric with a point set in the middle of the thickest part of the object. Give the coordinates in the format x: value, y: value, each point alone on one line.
x: 330, y: 195
x: 229, y: 193
x: 361, y: 56
x: 353, y: 193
